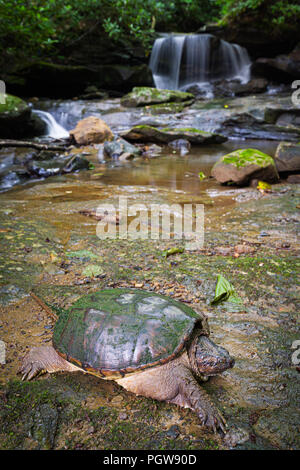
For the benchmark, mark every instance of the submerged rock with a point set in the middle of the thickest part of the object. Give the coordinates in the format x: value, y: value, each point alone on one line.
x: 287, y: 157
x: 243, y: 165
x: 119, y: 148
x: 142, y: 96
x: 56, y: 166
x: 166, y: 135
x: 91, y: 130
x: 181, y: 145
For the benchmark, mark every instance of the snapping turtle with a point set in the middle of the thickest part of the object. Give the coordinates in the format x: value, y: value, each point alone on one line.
x: 150, y: 344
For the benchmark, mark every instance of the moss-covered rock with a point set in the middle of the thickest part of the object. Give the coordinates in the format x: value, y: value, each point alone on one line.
x: 16, y: 119
x: 14, y: 113
x: 142, y: 96
x: 165, y: 135
x: 242, y: 165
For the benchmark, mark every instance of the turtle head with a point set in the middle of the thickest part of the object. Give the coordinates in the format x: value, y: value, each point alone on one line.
x: 209, y: 358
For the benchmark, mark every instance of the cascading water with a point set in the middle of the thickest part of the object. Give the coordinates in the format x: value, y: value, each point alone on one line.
x: 54, y: 130
x: 180, y: 61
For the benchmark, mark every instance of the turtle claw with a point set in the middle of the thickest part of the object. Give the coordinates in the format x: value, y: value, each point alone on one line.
x: 213, y: 419
x: 29, y: 370
x: 30, y: 367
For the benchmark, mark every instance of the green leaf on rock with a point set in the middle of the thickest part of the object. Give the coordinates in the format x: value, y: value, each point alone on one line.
x: 225, y: 291
x: 262, y: 185
x: 172, y: 251
x: 92, y: 270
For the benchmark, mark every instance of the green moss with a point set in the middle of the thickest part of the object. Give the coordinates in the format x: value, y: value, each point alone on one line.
x: 167, y: 108
x: 12, y: 104
x: 178, y: 130
x: 143, y: 96
x: 243, y: 157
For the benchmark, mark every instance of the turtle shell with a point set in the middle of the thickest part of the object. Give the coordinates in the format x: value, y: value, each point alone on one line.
x: 114, y: 332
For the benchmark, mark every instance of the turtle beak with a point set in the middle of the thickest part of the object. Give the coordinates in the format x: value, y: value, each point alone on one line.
x: 211, y: 358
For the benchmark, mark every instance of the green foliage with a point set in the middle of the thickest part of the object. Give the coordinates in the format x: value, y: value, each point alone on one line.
x: 36, y: 28
x: 269, y: 13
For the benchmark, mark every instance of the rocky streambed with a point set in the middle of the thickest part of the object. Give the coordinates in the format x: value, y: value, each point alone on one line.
x: 251, y: 237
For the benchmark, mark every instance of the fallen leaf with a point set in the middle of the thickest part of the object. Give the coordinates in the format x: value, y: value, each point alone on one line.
x: 225, y: 291
x: 172, y: 251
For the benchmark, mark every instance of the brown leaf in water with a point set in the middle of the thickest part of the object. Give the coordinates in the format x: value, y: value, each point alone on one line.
x: 106, y: 217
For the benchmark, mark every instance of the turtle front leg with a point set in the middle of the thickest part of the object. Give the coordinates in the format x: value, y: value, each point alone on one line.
x: 193, y: 396
x: 40, y: 360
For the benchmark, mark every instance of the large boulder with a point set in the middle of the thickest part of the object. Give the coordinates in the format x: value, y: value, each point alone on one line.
x: 287, y: 157
x: 38, y: 78
x: 283, y: 68
x: 43, y: 78
x: 91, y: 130
x: 165, y: 135
x: 241, y: 166
x: 16, y: 119
x: 277, y: 124
x: 283, y: 116
x: 144, y: 96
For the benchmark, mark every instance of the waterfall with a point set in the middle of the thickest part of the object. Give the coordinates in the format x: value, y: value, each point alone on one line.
x: 179, y: 61
x: 54, y: 130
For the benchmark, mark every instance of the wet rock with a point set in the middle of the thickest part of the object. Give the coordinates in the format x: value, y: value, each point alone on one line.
x: 55, y: 166
x: 151, y: 151
x: 119, y: 148
x: 11, y: 293
x: 165, y: 135
x: 199, y: 92
x: 283, y: 68
x: 92, y: 93
x: 181, y: 145
x: 235, y: 436
x: 44, y: 426
x: 243, y: 165
x: 142, y: 96
x: 236, y: 88
x: 173, y: 432
x: 293, y: 179
x: 283, y: 116
x: 91, y: 130
x: 281, y: 428
x: 13, y: 176
x: 287, y: 157
x: 247, y: 125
